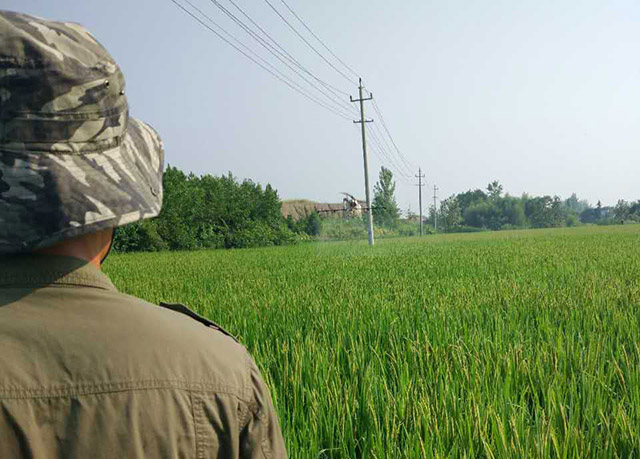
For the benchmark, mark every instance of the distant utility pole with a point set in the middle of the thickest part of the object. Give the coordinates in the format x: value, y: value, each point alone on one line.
x: 435, y: 208
x: 362, y: 121
x: 420, y: 185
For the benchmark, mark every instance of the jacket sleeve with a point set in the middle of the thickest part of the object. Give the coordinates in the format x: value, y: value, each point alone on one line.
x: 261, y: 436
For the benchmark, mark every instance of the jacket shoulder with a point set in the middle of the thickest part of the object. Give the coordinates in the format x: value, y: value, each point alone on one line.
x: 175, y: 342
x: 182, y: 309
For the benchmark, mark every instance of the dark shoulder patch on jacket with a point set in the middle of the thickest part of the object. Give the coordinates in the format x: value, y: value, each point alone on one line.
x: 181, y: 308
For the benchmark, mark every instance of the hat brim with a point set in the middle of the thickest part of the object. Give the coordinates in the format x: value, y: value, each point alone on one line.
x: 47, y: 197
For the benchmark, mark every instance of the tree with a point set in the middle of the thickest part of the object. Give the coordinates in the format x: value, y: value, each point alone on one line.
x: 139, y: 236
x: 512, y: 212
x: 590, y: 215
x: 495, y: 190
x: 575, y: 205
x: 621, y: 211
x: 385, y: 209
x: 470, y: 199
x: 175, y: 224
x: 545, y: 212
x: 482, y: 215
x: 310, y: 224
x: 450, y: 216
x: 634, y: 211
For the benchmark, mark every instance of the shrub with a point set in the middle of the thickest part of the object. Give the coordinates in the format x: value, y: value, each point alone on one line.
x: 141, y: 236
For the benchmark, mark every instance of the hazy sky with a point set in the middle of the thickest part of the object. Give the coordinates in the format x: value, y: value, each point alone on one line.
x: 543, y: 95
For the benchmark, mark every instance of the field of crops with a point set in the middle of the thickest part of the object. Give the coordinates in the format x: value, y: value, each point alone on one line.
x: 509, y: 344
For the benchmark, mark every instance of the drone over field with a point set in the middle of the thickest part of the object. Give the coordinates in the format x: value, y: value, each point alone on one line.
x: 352, y: 206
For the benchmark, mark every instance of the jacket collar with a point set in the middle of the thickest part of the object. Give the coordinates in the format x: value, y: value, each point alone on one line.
x: 43, y: 270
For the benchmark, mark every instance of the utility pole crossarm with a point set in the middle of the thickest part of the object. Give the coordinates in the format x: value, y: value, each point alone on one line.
x: 361, y: 99
x: 362, y: 122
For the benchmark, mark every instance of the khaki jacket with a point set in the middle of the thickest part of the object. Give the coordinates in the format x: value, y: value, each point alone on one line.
x: 87, y: 372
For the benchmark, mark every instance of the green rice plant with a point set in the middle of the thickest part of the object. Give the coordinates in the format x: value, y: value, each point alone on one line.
x: 508, y: 344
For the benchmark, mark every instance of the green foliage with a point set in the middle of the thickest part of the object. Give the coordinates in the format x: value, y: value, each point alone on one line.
x: 310, y: 224
x: 545, y: 212
x: 491, y: 210
x: 590, y: 215
x: 491, y: 345
x: 355, y: 228
x: 139, y: 236
x: 495, y: 190
x: 575, y: 205
x: 450, y: 214
x: 466, y: 229
x: 470, y: 198
x: 338, y: 229
x: 222, y: 212
x: 622, y: 210
x: 385, y: 209
x: 483, y: 215
x: 209, y: 212
x: 572, y: 220
x: 494, y: 210
x: 513, y: 214
x: 410, y: 227
x: 431, y: 218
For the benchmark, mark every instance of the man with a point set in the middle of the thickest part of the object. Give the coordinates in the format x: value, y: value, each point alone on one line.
x: 85, y: 371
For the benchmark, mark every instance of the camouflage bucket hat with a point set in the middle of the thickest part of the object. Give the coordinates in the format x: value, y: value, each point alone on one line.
x: 71, y: 160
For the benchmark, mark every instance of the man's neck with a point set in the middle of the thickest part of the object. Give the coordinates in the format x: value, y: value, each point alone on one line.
x: 91, y: 248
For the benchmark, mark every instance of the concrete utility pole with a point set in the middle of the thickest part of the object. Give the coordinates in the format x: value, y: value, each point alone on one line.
x: 362, y: 121
x: 420, y: 185
x: 435, y: 208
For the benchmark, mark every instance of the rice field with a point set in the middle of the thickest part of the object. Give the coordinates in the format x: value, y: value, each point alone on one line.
x: 508, y: 344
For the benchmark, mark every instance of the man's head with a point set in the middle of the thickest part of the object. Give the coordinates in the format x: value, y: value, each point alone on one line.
x: 73, y: 165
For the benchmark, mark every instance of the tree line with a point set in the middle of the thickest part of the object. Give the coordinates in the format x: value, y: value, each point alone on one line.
x: 491, y: 209
x: 207, y: 211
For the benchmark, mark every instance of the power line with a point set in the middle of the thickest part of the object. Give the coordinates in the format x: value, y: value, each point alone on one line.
x: 386, y: 159
x: 382, y: 149
x: 406, y: 165
x: 400, y: 164
x: 318, y: 38
x: 377, y: 148
x: 289, y: 56
x: 307, y: 42
x: 384, y: 125
x: 279, y: 52
x: 275, y: 73
x: 336, y: 99
x: 391, y: 162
